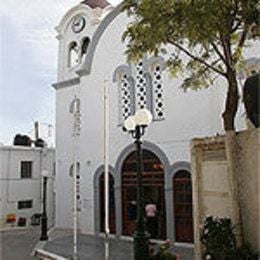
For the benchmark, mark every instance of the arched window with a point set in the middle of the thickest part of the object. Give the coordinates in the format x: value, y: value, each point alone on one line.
x: 149, y: 86
x: 126, y: 92
x: 84, y: 48
x: 182, y: 192
x: 73, y: 58
x: 141, y: 87
x: 158, y: 103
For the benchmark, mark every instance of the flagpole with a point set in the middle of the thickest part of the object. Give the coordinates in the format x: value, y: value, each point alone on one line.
x: 106, y: 159
x: 76, y: 131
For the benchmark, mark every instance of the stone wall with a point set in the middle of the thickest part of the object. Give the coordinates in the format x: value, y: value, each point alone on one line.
x: 215, y: 184
x: 249, y: 183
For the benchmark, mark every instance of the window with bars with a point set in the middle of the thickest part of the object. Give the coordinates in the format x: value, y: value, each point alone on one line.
x: 141, y: 86
x: 157, y: 93
x: 25, y: 204
x: 126, y: 92
x: 26, y: 169
x: 125, y: 96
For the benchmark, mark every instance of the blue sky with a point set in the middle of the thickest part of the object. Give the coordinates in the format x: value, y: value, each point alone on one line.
x: 28, y: 50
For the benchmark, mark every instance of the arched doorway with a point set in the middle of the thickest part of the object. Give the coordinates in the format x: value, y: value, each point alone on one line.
x: 153, y: 188
x: 182, y: 190
x: 112, y: 221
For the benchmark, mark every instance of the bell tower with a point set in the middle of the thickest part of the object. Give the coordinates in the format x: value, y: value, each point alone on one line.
x: 74, y: 34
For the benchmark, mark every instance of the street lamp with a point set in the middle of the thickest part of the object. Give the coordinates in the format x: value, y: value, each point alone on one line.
x: 44, y: 219
x: 136, y: 125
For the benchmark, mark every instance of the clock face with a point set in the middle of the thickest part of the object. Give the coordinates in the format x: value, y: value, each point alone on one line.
x: 78, y: 24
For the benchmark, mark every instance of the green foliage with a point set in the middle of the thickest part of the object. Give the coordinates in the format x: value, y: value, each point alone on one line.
x: 200, y: 29
x: 220, y: 241
x: 164, y: 252
x: 207, y: 38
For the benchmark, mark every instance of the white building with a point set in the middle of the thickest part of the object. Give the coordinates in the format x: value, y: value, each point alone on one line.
x: 21, y: 183
x: 91, y: 51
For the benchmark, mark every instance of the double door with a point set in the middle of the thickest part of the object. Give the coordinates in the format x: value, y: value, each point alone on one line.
x: 129, y: 209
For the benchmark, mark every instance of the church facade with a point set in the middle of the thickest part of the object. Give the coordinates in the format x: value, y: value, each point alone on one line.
x: 91, y: 52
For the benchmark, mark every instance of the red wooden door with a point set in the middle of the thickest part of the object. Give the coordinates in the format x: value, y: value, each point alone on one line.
x: 129, y: 210
x: 153, y: 188
x: 183, y: 207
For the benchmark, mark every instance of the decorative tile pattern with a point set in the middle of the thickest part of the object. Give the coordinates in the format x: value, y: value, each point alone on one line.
x: 140, y: 86
x: 143, y: 91
x: 125, y: 97
x: 158, y: 103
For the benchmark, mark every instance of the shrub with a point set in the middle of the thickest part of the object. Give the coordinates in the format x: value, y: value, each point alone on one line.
x: 220, y: 241
x: 164, y: 252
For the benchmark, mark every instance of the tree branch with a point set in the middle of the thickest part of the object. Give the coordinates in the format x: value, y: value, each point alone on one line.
x: 196, y: 58
x: 241, y: 42
x: 227, y: 52
x: 239, y: 22
x: 221, y: 56
x: 208, y: 68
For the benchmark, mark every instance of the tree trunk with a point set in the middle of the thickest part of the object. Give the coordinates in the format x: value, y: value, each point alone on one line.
x: 232, y: 98
x: 232, y: 150
x: 232, y: 153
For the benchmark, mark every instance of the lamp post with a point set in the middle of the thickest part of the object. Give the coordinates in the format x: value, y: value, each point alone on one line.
x: 44, y: 219
x: 136, y: 125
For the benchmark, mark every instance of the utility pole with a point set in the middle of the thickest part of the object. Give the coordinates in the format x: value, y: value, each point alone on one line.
x: 106, y: 161
x: 36, y: 130
x: 75, y: 109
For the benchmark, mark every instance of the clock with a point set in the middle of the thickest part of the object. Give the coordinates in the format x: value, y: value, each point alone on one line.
x: 78, y: 24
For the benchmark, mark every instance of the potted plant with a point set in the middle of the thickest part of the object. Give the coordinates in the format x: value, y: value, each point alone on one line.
x: 164, y: 252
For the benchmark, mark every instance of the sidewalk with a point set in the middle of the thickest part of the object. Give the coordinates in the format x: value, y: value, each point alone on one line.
x: 92, y: 247
x: 17, y: 243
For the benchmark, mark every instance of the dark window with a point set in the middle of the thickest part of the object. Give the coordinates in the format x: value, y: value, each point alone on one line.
x: 73, y: 55
x: 25, y: 204
x: 72, y: 169
x: 26, y: 169
x: 84, y: 47
x: 54, y: 169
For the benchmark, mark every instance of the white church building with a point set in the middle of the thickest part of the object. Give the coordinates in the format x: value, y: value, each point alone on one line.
x: 91, y: 51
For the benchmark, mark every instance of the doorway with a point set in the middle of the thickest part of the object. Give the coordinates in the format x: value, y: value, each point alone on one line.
x: 182, y: 188
x: 153, y: 189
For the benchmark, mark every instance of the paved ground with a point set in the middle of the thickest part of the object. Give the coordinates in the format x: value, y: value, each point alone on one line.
x: 17, y: 244
x: 92, y: 247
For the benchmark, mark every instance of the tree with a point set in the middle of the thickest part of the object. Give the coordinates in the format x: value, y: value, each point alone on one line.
x: 210, y: 33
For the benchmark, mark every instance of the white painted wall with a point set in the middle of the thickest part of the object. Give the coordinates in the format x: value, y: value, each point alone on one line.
x: 14, y: 189
x: 187, y: 115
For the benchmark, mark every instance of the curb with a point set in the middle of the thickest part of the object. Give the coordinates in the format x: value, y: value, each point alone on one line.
x: 45, y: 255
x: 184, y: 245
x: 14, y: 228
x: 42, y: 254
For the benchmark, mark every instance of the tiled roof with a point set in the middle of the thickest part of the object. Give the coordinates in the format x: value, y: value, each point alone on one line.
x: 96, y: 3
